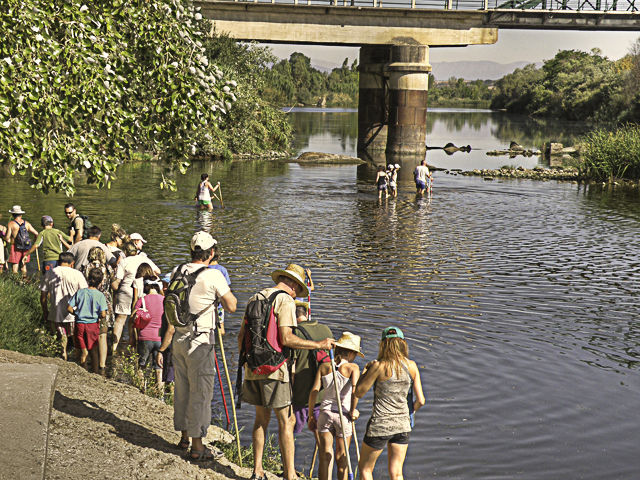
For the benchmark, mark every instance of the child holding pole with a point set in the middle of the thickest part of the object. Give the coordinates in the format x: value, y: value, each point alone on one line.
x: 328, y: 423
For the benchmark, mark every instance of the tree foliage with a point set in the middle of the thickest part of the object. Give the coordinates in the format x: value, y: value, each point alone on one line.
x: 294, y: 80
x: 84, y: 86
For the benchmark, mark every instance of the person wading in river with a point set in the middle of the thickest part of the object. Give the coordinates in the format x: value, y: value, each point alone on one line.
x: 203, y: 197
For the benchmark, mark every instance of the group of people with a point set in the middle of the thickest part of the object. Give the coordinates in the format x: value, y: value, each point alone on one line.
x: 387, y: 180
x: 94, y: 288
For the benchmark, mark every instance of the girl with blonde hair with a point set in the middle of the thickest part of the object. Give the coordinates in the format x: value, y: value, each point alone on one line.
x: 392, y: 375
x: 118, y: 238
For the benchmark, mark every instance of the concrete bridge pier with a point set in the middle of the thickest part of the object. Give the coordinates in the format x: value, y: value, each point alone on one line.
x: 408, y: 84
x: 392, y: 110
x: 372, y: 104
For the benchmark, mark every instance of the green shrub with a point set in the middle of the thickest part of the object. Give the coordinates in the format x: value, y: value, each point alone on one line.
x: 21, y: 325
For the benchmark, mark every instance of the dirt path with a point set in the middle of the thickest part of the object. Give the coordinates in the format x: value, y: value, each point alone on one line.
x: 102, y: 429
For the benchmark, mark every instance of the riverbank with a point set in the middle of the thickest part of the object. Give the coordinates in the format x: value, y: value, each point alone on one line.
x: 100, y: 428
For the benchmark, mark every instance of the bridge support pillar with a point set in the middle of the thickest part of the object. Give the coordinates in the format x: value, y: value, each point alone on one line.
x: 372, y: 104
x: 408, y: 84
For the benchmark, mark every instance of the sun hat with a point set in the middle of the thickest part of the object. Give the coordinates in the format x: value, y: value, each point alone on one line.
x: 390, y: 166
x: 295, y: 273
x: 397, y: 166
x: 16, y: 210
x: 202, y: 240
x: 392, y: 332
x: 301, y: 303
x: 351, y: 342
x: 137, y: 236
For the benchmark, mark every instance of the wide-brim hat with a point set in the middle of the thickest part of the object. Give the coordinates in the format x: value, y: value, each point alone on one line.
x: 351, y: 342
x: 295, y: 273
x: 16, y: 210
x: 300, y: 303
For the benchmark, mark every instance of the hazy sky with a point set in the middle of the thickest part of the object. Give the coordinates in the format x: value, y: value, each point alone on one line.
x: 512, y: 46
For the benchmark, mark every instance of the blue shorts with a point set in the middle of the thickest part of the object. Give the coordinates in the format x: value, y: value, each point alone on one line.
x: 302, y: 416
x: 420, y: 185
x: 148, y: 350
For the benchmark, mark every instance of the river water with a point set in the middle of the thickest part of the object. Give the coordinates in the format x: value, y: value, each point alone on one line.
x: 518, y: 298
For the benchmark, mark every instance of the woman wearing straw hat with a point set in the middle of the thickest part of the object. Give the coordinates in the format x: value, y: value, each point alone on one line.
x: 393, y: 375
x: 328, y: 423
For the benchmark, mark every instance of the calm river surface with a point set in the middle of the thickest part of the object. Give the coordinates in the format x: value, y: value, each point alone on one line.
x: 519, y: 299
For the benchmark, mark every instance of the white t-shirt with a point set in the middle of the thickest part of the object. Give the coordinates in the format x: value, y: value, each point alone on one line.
x: 127, y: 268
x: 62, y: 283
x: 210, y: 286
x: 423, y: 173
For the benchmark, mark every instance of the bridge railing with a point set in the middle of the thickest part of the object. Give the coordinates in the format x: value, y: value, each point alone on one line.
x: 553, y: 5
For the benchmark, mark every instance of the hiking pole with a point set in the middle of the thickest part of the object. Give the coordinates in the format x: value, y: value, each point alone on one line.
x: 355, y: 439
x: 313, y: 460
x: 233, y: 403
x: 344, y: 438
x: 224, y: 398
x: 38, y: 259
x: 220, y: 188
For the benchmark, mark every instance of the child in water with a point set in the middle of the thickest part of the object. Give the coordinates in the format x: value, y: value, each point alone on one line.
x: 328, y: 423
x: 381, y: 182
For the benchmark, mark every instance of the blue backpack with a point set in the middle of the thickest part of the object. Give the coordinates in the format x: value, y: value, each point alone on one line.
x: 22, y: 240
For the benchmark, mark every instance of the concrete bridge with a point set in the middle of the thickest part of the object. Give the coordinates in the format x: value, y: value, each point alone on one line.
x: 394, y: 37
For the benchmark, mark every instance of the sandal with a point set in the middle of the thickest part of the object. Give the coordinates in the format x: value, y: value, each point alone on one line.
x: 184, y: 444
x: 205, y: 456
x: 256, y: 477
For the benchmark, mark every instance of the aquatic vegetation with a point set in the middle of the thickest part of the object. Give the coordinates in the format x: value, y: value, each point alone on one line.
x: 612, y: 154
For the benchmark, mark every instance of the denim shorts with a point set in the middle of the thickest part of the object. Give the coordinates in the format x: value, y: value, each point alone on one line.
x: 378, y: 443
x: 146, y: 349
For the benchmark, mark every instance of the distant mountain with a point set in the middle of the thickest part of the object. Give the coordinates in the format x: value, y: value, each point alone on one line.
x: 482, y: 70
x: 324, y: 66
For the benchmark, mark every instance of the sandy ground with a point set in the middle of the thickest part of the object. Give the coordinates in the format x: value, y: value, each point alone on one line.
x: 101, y: 429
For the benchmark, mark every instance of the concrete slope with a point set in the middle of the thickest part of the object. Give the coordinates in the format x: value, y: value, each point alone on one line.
x: 26, y: 397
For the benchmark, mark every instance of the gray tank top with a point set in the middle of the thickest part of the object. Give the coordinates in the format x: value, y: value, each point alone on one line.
x: 390, y: 414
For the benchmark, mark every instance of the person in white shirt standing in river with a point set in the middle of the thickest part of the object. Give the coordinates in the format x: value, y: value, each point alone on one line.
x: 203, y: 197
x: 422, y: 176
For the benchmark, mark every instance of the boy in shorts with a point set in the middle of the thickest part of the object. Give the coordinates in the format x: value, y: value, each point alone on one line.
x: 89, y: 306
x: 328, y: 423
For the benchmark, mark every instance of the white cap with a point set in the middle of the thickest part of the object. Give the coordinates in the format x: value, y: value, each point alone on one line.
x: 397, y: 166
x: 202, y: 240
x: 137, y: 236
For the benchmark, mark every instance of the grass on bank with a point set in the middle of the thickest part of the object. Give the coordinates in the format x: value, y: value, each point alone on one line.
x: 612, y: 154
x: 21, y: 326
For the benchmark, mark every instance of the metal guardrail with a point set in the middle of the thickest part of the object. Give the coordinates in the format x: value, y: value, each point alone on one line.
x: 546, y: 5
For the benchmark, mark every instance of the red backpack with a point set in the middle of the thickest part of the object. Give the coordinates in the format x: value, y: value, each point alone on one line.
x: 262, y: 349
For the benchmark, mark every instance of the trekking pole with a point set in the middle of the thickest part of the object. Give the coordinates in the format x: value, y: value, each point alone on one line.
x: 313, y: 460
x: 38, y: 260
x: 224, y: 398
x: 220, y: 188
x: 355, y: 439
x: 233, y: 403
x: 344, y: 438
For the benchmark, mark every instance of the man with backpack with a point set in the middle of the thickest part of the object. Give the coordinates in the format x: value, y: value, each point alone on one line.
x: 78, y: 224
x: 17, y: 236
x: 190, y: 305
x: 265, y: 340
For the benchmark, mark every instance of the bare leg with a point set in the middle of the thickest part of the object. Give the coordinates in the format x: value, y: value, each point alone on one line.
x: 102, y: 348
x: 81, y: 356
x: 341, y: 458
x: 325, y: 456
x: 286, y: 422
x: 95, y: 359
x: 397, y: 454
x: 368, y: 458
x: 263, y: 416
x: 117, y: 330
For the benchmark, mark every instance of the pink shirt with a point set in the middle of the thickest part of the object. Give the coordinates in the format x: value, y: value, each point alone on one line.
x: 154, y: 304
